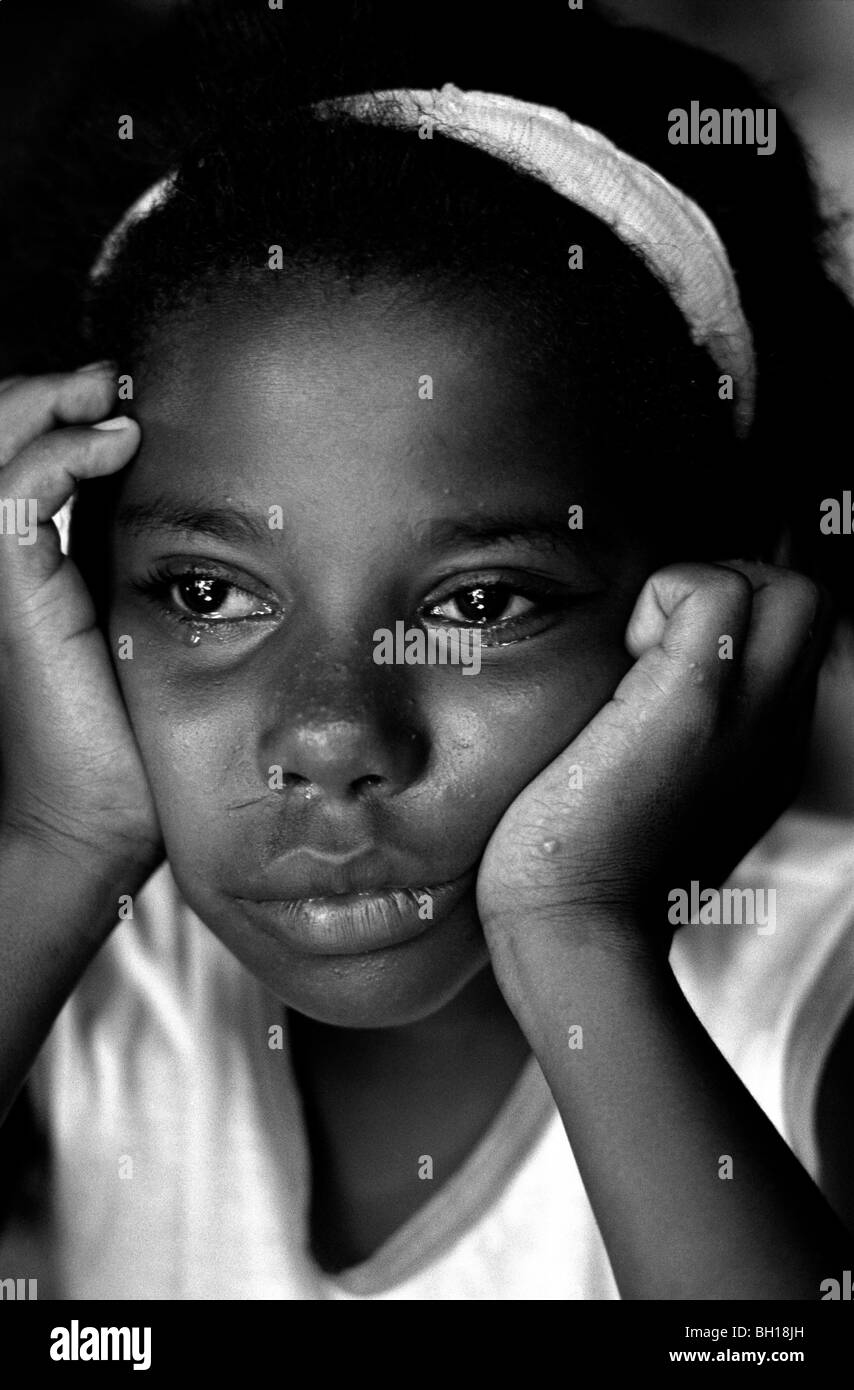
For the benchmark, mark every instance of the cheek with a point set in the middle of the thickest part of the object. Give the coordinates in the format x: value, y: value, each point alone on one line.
x: 513, y: 724
x: 192, y: 739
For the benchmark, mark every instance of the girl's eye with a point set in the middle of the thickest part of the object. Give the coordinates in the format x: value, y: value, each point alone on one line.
x: 203, y: 598
x: 483, y: 605
x: 212, y: 598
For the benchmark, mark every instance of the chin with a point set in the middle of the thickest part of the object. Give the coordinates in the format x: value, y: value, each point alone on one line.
x: 345, y: 998
x: 387, y: 988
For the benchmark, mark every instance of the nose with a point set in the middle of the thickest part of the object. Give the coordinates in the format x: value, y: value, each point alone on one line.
x: 345, y: 730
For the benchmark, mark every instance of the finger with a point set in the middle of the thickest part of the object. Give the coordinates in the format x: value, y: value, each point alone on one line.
x: 40, y: 482
x: 50, y: 469
x: 791, y: 621
x: 31, y: 406
x: 687, y: 609
x: 10, y: 381
x: 681, y: 629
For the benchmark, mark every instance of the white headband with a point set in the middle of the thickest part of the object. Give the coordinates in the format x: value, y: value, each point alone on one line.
x: 668, y: 230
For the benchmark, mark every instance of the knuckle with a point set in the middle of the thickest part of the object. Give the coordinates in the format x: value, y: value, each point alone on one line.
x: 805, y: 597
x: 34, y: 395
x: 732, y: 585
x: 65, y: 450
x: 9, y: 381
x: 27, y: 396
x: 687, y: 574
x: 74, y: 448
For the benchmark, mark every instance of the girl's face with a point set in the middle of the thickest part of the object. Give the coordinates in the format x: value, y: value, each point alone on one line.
x: 305, y: 480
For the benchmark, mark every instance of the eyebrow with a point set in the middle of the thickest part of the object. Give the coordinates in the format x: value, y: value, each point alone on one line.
x: 540, y: 533
x: 235, y: 527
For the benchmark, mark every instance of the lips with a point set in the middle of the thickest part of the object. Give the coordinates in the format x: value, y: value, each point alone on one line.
x: 349, y: 910
x: 307, y: 873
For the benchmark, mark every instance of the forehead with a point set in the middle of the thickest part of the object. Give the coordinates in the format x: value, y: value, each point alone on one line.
x: 324, y: 346
x: 324, y: 383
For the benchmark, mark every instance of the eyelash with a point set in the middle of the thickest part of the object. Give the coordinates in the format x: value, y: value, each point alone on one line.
x: 157, y: 587
x: 547, y: 598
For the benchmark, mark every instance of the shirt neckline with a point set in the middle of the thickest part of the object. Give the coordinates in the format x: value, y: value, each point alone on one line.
x: 464, y: 1199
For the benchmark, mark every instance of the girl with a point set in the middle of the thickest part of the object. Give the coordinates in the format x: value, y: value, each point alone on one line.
x: 351, y: 949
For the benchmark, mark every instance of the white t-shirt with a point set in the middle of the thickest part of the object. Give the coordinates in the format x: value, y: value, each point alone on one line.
x: 180, y: 1161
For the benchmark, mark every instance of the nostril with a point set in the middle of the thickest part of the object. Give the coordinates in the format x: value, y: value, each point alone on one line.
x: 368, y: 783
x: 292, y: 780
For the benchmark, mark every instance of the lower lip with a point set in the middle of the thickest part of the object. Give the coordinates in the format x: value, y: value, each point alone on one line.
x: 352, y: 923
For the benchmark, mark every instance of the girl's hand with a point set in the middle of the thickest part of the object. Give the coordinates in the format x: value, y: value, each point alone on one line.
x: 696, y: 754
x: 70, y: 772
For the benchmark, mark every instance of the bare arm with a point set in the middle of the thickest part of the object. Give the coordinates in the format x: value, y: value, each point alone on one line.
x: 58, y: 905
x: 696, y: 1194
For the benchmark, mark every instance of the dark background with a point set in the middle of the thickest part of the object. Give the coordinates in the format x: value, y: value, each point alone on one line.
x: 55, y: 55
x: 803, y: 48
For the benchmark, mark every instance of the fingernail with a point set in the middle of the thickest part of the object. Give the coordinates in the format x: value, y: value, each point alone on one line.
x: 105, y: 366
x: 120, y: 422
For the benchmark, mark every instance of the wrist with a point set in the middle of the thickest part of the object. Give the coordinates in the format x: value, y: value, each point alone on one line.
x: 578, y: 956
x: 87, y: 851
x: 579, y: 929
x: 59, y: 903
x: 80, y: 869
